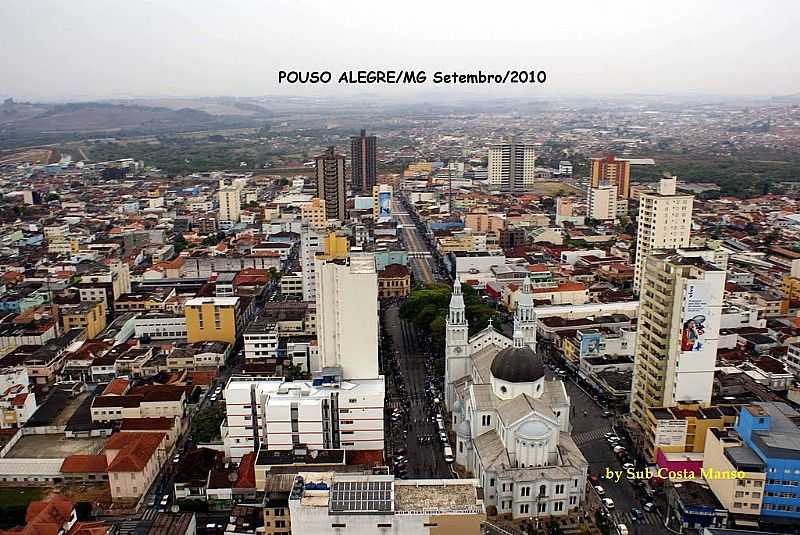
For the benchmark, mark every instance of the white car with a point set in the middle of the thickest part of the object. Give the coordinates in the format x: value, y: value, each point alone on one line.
x: 448, y: 455
x: 622, y: 529
x: 600, y: 490
x: 649, y: 506
x: 609, y: 503
x: 618, y: 449
x: 628, y: 466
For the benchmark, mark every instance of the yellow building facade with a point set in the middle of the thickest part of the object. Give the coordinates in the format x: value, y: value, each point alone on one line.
x: 88, y: 315
x: 212, y: 319
x: 683, y: 428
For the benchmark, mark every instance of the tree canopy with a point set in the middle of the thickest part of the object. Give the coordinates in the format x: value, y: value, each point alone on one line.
x: 427, y: 308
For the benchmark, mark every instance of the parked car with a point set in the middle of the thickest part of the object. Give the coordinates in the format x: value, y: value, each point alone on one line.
x: 600, y: 490
x: 619, y: 449
x: 622, y: 529
x: 649, y: 506
x: 448, y: 455
x: 608, y: 502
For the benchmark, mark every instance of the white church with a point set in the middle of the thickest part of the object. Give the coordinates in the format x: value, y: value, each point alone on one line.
x: 511, y: 422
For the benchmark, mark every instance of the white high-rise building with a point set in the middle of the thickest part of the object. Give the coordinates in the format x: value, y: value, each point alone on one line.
x: 512, y: 166
x: 604, y: 203
x: 310, y: 244
x: 347, y: 315
x: 230, y: 204
x: 665, y: 222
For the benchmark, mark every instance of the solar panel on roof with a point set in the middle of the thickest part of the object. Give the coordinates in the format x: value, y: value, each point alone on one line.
x: 361, y: 496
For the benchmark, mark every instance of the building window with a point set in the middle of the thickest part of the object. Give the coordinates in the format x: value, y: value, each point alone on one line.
x: 525, y: 491
x: 558, y: 506
x: 524, y: 508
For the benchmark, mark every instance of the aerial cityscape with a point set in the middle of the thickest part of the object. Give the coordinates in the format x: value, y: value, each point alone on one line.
x: 496, y: 299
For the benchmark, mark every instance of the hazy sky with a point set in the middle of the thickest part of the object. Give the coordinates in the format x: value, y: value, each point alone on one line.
x: 82, y: 49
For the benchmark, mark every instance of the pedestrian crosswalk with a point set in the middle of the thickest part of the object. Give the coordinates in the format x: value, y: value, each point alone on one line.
x: 594, y: 434
x: 645, y: 519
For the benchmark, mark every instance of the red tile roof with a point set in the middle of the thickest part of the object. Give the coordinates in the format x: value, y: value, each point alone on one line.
x: 117, y: 387
x: 84, y: 464
x: 246, y: 477
x: 147, y: 424
x: 135, y: 450
x: 45, y: 517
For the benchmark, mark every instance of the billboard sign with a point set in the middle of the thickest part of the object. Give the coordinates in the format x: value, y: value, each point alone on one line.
x: 385, y: 204
x: 590, y: 343
x: 695, y: 316
x: 671, y: 433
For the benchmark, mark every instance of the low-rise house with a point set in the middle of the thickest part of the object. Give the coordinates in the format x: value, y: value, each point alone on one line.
x: 134, y: 462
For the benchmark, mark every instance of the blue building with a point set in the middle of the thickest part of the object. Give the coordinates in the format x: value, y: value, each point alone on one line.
x: 771, y: 431
x: 384, y: 258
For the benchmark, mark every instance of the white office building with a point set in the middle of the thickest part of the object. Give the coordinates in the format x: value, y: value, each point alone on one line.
x: 324, y: 413
x: 230, y: 204
x: 347, y: 315
x: 604, y: 205
x: 665, y: 222
x: 260, y: 341
x: 310, y: 244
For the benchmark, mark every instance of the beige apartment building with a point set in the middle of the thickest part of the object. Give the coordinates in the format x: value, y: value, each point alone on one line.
x: 134, y: 462
x: 313, y: 213
x: 726, y: 452
x: 665, y: 222
x: 680, y: 310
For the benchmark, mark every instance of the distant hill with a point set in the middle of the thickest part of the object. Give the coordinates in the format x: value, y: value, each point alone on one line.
x: 34, y: 123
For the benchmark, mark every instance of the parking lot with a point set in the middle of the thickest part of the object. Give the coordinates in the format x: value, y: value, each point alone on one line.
x: 412, y: 395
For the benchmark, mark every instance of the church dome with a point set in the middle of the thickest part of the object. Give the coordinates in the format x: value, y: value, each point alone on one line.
x: 533, y: 430
x: 517, y: 365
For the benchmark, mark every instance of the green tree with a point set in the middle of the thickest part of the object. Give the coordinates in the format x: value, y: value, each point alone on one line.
x: 427, y: 307
x: 180, y: 243
x: 206, y: 422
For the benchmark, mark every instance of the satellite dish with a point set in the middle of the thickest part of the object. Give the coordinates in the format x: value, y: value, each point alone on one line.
x: 175, y: 508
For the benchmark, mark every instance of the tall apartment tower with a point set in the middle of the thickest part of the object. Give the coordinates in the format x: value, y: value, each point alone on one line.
x: 665, y: 221
x: 230, y: 204
x: 603, y: 203
x: 610, y: 170
x: 330, y: 184
x: 347, y: 315
x: 678, y: 330
x: 512, y: 166
x: 362, y: 162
